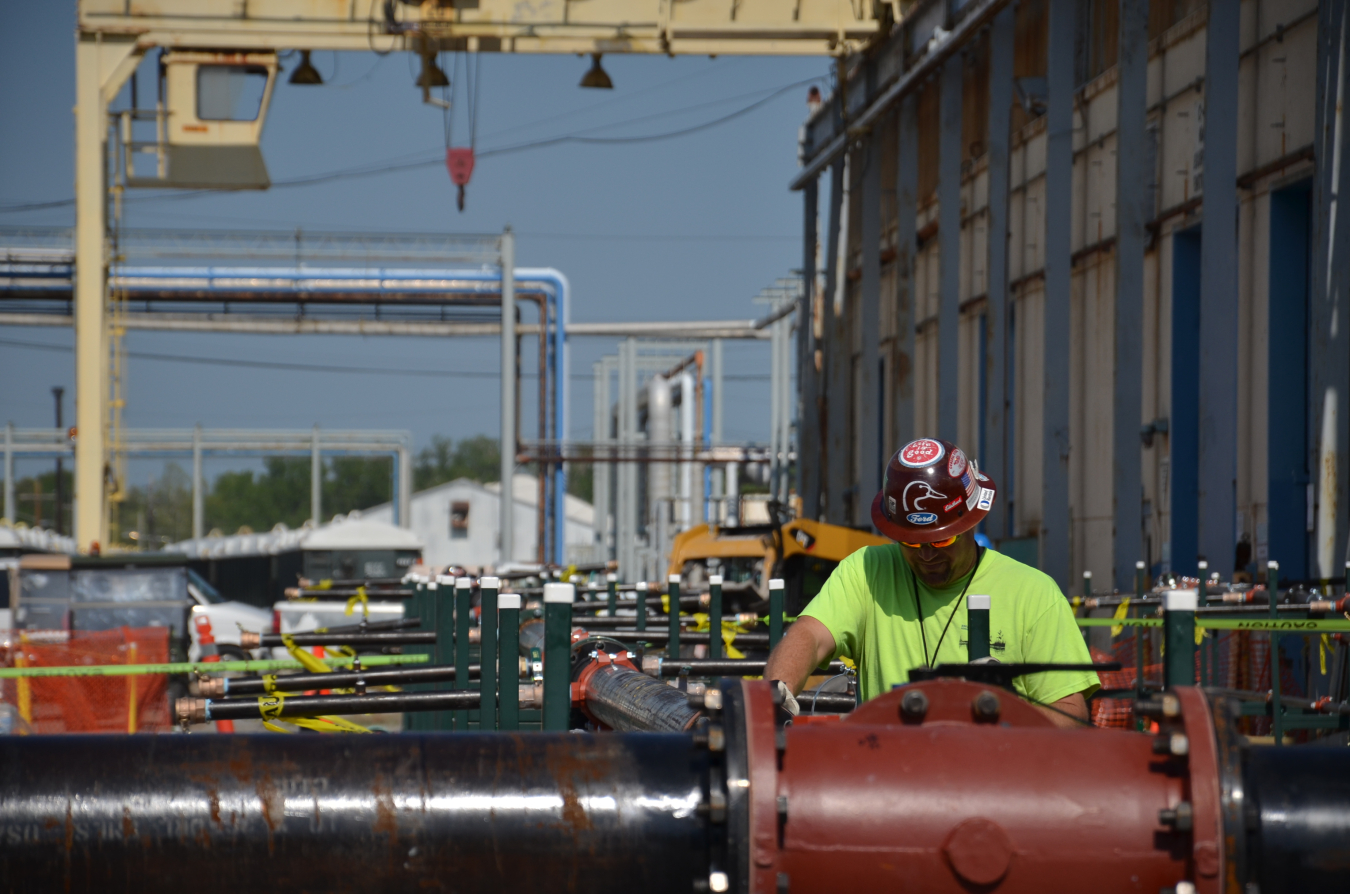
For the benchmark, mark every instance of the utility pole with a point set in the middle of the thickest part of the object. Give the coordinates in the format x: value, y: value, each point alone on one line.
x: 59, y: 525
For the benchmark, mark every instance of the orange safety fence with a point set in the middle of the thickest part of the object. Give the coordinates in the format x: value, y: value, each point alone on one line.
x: 1228, y: 659
x: 90, y: 704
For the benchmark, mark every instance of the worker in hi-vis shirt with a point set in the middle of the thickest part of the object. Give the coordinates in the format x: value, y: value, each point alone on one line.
x: 900, y: 606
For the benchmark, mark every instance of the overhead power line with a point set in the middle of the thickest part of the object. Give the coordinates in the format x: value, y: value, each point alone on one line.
x: 325, y: 368
x: 377, y: 168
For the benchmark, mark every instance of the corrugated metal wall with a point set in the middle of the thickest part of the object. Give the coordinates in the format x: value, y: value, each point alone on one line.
x: 1276, y: 101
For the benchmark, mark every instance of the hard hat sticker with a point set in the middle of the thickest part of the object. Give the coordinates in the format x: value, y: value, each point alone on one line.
x: 921, y: 453
x: 986, y: 499
x: 952, y: 505
x: 957, y: 463
x: 890, y: 506
x: 921, y: 518
x: 917, y: 492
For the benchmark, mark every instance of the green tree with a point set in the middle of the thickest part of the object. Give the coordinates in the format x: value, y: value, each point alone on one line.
x: 357, y: 482
x: 477, y: 458
x: 155, y: 513
x: 280, y: 493
x: 35, y: 499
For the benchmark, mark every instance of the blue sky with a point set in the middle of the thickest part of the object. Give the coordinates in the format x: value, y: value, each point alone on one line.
x: 683, y: 228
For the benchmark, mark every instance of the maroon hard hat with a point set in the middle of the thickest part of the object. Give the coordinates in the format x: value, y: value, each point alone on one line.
x: 931, y: 492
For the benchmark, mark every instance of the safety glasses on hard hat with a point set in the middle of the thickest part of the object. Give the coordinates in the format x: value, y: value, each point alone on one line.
x: 939, y: 544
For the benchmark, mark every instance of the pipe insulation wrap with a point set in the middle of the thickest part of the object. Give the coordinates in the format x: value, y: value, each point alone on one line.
x: 628, y: 701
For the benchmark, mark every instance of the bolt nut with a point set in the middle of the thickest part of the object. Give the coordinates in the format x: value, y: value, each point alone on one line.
x: 914, y: 706
x: 1178, y: 818
x: 1175, y: 744
x: 712, y: 699
x: 718, y: 882
x: 1165, y: 705
x: 985, y: 707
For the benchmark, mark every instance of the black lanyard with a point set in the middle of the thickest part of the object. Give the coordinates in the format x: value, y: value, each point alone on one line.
x: 918, y: 606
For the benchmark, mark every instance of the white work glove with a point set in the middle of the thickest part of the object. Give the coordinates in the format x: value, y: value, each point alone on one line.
x: 789, y: 700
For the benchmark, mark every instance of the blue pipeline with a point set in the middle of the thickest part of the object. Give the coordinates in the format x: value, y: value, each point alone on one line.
x: 475, y: 281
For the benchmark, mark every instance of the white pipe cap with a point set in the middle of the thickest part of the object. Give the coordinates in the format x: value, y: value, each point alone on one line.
x: 560, y: 593
x: 489, y: 583
x: 978, y: 602
x: 715, y: 580
x: 508, y: 600
x: 1139, y: 565
x: 463, y: 583
x: 1180, y: 600
x: 1273, y: 564
x: 777, y: 584
x: 611, y: 576
x: 674, y: 579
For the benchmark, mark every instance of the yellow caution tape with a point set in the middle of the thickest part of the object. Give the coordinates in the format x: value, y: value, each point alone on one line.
x: 665, y: 603
x: 1199, y: 635
x: 1122, y: 612
x: 308, y: 660
x: 269, y: 706
x: 1077, y: 601
x: 361, y: 598
x: 1323, y: 643
x: 326, y: 584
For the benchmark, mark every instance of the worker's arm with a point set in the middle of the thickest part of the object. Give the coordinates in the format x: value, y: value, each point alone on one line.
x: 1075, y: 706
x: 806, y: 646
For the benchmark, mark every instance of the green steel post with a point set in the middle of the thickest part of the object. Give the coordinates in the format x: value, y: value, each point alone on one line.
x: 426, y: 603
x: 558, y: 599
x: 612, y: 582
x: 1138, y: 632
x: 508, y: 649
x: 777, y: 594
x: 1276, y: 709
x: 641, y: 595
x: 715, y: 616
x: 463, y: 621
x: 673, y: 595
x: 1179, y: 637
x: 487, y: 653
x: 977, y: 627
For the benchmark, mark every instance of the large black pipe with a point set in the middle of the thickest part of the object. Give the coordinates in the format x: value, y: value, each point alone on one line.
x: 1298, y: 819
x: 378, y: 638
x: 688, y: 637
x: 459, y: 812
x: 382, y: 676
x: 315, y: 705
x: 717, y: 667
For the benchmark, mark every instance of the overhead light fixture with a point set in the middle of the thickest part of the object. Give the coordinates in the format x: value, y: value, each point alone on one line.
x: 431, y: 74
x: 596, y: 77
x: 305, y: 72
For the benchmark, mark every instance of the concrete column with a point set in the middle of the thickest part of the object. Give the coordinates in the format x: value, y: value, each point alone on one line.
x: 506, y: 510
x: 785, y: 417
x: 1217, y: 477
x: 1055, y: 541
x: 775, y: 407
x: 993, y: 455
x: 830, y: 498
x: 626, y: 504
x: 949, y: 261
x: 869, y: 308
x: 315, y: 479
x: 91, y: 336
x: 9, y: 472
x: 1329, y: 311
x: 198, y: 501
x: 906, y: 239
x: 808, y: 421
x: 839, y: 441
x: 1134, y: 208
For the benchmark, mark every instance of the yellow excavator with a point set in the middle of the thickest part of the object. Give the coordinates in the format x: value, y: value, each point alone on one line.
x: 800, y: 551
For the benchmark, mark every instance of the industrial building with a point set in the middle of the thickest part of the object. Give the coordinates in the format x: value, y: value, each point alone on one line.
x: 1094, y: 243
x: 457, y: 523
x: 1097, y: 244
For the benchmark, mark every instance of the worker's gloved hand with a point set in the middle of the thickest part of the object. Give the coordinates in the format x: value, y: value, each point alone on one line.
x: 789, y: 700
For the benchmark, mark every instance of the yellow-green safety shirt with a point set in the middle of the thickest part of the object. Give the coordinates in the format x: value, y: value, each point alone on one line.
x: 869, y: 605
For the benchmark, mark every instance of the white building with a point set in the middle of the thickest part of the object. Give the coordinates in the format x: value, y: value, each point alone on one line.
x: 457, y: 523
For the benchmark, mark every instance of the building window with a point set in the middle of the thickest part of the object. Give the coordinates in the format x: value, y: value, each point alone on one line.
x: 459, y: 521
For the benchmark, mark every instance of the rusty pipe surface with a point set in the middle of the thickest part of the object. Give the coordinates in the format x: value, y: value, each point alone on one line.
x: 464, y: 812
x: 230, y: 687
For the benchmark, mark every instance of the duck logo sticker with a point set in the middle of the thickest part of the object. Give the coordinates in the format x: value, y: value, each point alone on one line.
x: 916, y: 493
